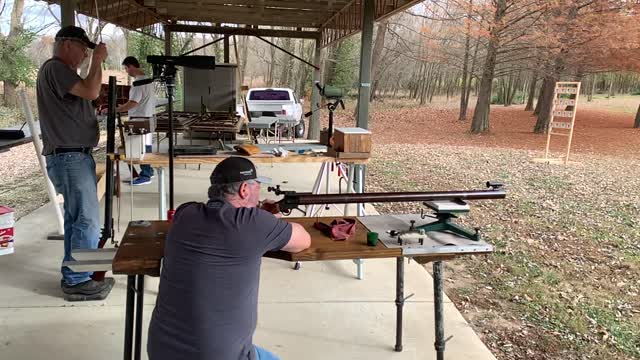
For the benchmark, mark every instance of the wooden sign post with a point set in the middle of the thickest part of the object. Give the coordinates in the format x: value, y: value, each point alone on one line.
x: 563, y: 116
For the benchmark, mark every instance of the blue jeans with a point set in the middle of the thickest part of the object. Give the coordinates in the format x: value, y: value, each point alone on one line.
x: 146, y: 170
x: 262, y: 354
x: 74, y: 176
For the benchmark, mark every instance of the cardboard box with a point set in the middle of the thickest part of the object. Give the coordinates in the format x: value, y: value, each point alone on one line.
x: 352, y: 140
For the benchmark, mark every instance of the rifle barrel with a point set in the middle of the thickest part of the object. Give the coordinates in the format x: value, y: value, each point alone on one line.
x: 361, y: 198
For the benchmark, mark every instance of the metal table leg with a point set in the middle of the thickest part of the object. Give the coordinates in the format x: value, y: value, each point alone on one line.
x: 399, y: 301
x: 350, y: 188
x: 360, y: 212
x: 162, y: 206
x: 128, y: 319
x: 438, y: 294
x: 316, y: 188
x: 139, y: 311
x: 327, y: 175
x: 310, y: 210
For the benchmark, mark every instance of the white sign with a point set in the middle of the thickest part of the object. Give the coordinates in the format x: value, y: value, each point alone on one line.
x: 565, y: 102
x: 561, y: 125
x: 567, y: 114
x: 566, y: 90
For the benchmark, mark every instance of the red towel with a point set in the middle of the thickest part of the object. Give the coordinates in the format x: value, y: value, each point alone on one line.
x: 339, y: 229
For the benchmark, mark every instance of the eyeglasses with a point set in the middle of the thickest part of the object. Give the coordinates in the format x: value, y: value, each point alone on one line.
x: 80, y: 43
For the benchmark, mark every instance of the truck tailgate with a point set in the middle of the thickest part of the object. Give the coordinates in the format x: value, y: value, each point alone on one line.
x: 270, y: 108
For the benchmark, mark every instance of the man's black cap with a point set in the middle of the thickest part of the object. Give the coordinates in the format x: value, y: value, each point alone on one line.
x: 75, y: 33
x: 236, y: 169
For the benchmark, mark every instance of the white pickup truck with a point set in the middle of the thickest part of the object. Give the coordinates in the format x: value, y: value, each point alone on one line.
x: 267, y: 105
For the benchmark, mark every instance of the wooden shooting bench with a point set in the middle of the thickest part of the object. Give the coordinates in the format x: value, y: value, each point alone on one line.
x: 142, y: 248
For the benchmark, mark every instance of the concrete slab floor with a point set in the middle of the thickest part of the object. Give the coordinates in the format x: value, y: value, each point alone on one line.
x: 318, y: 312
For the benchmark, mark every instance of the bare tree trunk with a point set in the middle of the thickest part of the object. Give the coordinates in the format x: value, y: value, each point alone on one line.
x: 286, y: 63
x: 545, y: 105
x: 514, y: 85
x: 436, y: 85
x: 10, y: 94
x: 464, y: 101
x: 272, y: 65
x: 532, y: 92
x: 473, y: 70
x: 507, y: 91
x: 426, y: 79
x: 611, y: 94
x: 376, y: 53
x: 329, y: 65
x: 306, y: 52
x: 480, y: 123
x: 637, y: 122
x: 243, y: 42
x: 536, y: 112
x: 299, y: 76
x: 592, y: 88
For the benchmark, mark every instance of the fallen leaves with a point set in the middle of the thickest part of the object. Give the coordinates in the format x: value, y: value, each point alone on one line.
x: 567, y: 240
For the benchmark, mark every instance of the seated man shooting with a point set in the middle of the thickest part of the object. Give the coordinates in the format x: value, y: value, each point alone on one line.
x: 208, y: 298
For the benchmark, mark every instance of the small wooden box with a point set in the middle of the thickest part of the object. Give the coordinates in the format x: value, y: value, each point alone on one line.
x: 352, y: 140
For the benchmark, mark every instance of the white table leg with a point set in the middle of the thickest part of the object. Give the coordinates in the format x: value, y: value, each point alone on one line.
x: 131, y: 187
x: 316, y: 188
x: 360, y: 212
x: 350, y: 187
x: 162, y: 206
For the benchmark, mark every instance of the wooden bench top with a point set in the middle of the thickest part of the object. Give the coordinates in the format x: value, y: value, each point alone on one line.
x: 142, y: 248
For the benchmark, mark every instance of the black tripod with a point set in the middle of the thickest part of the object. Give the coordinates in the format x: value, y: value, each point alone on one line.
x: 332, y: 106
x: 169, y: 80
x: 107, y: 230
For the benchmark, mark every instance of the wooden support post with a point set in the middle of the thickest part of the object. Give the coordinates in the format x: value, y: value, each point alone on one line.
x: 314, y: 106
x: 226, y: 49
x: 68, y: 12
x: 167, y: 42
x: 364, y: 84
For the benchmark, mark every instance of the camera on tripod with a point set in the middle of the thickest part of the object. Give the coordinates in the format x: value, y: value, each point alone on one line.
x: 164, y: 67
